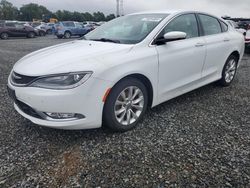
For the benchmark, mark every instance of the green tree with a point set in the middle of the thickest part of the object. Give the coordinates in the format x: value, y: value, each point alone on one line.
x: 33, y: 11
x: 88, y: 16
x: 77, y: 16
x: 8, y: 11
x: 99, y: 16
x: 110, y: 17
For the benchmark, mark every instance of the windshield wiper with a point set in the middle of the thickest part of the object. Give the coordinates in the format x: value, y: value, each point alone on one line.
x: 106, y: 40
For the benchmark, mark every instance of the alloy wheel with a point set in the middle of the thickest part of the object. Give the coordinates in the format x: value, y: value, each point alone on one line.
x: 129, y: 105
x: 67, y: 35
x: 230, y: 70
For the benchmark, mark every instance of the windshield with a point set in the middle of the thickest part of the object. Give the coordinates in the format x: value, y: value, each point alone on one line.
x: 129, y: 29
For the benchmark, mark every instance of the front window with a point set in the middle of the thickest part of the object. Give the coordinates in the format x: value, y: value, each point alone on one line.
x: 129, y: 29
x: 68, y: 24
x: 185, y: 23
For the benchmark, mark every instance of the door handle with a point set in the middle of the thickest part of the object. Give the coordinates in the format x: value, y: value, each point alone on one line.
x: 226, y: 40
x: 199, y: 44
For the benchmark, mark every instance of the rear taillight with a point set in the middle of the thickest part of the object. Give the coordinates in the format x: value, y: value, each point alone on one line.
x: 247, y: 39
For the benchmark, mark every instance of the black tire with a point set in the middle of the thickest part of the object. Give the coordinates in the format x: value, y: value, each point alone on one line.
x: 67, y: 35
x: 109, y: 117
x: 223, y: 82
x: 49, y: 32
x: 59, y: 36
x: 31, y: 35
x: 4, y: 36
x: 42, y: 33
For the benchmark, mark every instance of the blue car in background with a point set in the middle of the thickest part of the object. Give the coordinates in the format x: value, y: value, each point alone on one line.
x: 67, y: 29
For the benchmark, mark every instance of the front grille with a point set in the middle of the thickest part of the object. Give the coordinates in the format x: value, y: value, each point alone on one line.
x: 21, y: 80
x: 27, y: 109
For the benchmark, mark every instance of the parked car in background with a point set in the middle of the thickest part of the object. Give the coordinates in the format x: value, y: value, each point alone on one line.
x: 15, y: 29
x: 91, y: 26
x: 113, y: 74
x: 244, y: 24
x: 69, y: 28
x: 40, y: 32
x: 47, y: 27
x: 50, y: 28
x: 247, y: 39
x: 101, y: 23
x: 236, y: 26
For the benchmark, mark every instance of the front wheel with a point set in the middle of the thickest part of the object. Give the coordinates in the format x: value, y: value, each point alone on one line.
x: 4, y: 36
x: 42, y: 33
x: 31, y: 35
x: 229, y: 71
x: 125, y: 105
x: 67, y: 35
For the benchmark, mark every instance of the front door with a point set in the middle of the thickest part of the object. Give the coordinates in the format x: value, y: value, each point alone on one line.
x: 180, y: 62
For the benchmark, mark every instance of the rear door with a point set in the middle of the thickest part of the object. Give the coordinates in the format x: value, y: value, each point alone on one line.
x: 73, y: 28
x: 21, y: 30
x: 217, y: 44
x: 11, y: 28
x: 78, y: 29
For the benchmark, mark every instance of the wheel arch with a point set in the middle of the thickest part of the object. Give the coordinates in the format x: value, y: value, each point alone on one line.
x: 68, y: 31
x: 145, y: 80
x: 236, y: 54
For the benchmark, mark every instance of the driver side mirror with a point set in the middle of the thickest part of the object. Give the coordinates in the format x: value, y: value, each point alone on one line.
x: 171, y: 36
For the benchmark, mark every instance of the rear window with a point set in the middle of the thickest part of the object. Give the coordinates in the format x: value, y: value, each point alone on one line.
x: 211, y: 25
x: 68, y: 24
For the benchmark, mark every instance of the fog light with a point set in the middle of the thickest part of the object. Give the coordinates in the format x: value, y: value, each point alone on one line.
x: 54, y: 115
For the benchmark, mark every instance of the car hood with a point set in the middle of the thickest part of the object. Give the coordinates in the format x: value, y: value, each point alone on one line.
x: 79, y: 55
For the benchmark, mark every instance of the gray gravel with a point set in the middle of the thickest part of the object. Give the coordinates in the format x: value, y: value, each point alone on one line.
x: 201, y: 139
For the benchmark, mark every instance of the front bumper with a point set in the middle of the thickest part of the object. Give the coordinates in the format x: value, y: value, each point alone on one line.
x: 85, y: 100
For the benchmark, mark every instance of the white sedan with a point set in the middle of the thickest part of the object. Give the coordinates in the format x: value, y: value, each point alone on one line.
x: 112, y: 75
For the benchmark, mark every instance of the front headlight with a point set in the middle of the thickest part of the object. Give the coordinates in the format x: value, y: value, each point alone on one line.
x: 62, y: 81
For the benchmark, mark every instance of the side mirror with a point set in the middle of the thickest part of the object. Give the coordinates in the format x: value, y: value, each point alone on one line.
x: 171, y: 36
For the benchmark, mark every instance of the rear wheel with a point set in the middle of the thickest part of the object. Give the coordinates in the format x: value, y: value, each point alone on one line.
x: 4, y: 36
x: 67, y: 35
x: 125, y: 105
x: 229, y: 71
x: 31, y: 35
x: 42, y: 33
x: 49, y: 32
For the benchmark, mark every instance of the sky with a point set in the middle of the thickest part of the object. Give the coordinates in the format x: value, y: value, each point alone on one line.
x: 233, y: 8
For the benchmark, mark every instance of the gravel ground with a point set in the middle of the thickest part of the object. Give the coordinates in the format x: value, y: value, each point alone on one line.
x: 201, y: 139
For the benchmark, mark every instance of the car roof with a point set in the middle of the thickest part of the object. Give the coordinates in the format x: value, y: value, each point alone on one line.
x: 158, y: 12
x: 173, y: 12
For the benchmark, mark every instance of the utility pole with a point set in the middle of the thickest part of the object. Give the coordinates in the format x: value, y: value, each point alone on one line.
x: 119, y: 8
